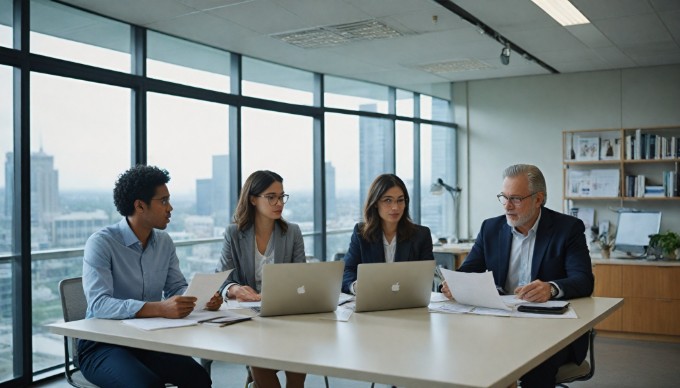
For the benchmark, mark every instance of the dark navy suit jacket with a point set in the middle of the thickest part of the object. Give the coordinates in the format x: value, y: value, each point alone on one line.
x: 560, y: 255
x: 418, y: 247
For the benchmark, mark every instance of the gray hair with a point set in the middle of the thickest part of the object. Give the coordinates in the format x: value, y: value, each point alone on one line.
x: 533, y: 173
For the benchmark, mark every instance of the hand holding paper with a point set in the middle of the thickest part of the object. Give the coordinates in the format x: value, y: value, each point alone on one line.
x: 204, y: 285
x: 474, y: 289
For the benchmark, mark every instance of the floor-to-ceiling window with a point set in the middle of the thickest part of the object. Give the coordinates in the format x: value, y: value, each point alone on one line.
x: 6, y: 23
x: 282, y: 143
x: 190, y: 139
x: 66, y: 33
x: 79, y: 145
x: 6, y: 224
x: 94, y: 110
x: 188, y: 63
x: 437, y: 161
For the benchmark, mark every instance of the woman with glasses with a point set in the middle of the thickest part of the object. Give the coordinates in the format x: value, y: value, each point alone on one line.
x: 259, y: 236
x: 387, y: 233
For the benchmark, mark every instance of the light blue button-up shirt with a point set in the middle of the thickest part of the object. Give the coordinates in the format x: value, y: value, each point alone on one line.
x: 119, y: 276
x: 521, y: 257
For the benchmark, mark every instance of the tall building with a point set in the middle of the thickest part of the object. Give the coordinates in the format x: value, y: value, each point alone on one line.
x: 9, y: 185
x: 44, y: 189
x: 73, y: 229
x: 373, y: 160
x: 331, y: 197
x: 212, y: 194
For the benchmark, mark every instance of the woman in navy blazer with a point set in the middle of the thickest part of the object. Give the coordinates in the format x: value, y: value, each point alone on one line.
x: 387, y: 233
x: 258, y: 236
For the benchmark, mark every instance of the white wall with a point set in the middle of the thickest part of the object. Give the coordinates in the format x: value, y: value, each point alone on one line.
x: 521, y: 119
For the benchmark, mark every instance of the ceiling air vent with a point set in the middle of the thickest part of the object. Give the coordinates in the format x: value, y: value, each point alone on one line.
x: 338, y: 34
x: 455, y: 66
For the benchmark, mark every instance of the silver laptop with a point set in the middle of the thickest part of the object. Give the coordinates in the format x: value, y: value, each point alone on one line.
x: 300, y: 288
x: 391, y: 286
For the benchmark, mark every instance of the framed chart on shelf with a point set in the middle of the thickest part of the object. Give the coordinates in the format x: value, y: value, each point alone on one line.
x: 587, y: 148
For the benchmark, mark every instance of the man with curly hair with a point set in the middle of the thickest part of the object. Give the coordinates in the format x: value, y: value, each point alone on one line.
x: 131, y: 270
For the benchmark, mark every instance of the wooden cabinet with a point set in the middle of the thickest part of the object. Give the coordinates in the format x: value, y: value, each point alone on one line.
x: 621, y: 164
x: 651, y: 297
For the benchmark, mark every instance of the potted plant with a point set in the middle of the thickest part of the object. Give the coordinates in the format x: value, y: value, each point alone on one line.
x: 666, y: 243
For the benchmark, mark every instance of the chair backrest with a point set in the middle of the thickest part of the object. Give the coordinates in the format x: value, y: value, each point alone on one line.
x: 73, y: 306
x: 73, y: 302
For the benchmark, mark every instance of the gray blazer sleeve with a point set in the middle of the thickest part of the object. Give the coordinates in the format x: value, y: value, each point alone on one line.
x: 298, y: 251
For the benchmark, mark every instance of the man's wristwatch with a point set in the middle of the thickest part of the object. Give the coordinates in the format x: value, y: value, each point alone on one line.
x: 553, y: 291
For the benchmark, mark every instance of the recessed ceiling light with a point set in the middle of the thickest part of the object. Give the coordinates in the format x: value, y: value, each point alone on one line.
x: 562, y: 11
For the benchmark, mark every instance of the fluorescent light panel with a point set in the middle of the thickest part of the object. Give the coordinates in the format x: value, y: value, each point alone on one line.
x: 562, y: 11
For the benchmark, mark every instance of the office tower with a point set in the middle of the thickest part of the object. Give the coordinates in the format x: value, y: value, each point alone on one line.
x: 220, y: 189
x: 373, y: 160
x: 212, y: 194
x: 331, y: 199
x: 204, y: 197
x: 9, y: 185
x: 73, y: 229
x: 44, y: 189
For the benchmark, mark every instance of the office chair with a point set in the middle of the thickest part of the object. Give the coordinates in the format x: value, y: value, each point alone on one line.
x: 73, y: 306
x: 571, y: 372
x: 249, y: 379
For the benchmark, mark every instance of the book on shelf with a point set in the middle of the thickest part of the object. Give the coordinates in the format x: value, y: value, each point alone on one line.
x: 670, y: 183
x: 635, y: 185
x: 654, y: 191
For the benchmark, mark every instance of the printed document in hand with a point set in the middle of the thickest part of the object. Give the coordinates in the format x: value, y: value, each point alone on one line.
x: 474, y: 289
x: 204, y: 285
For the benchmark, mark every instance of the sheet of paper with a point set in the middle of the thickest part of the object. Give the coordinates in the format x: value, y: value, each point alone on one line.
x: 249, y: 305
x: 474, y: 289
x: 204, y: 285
x: 158, y: 323
x: 438, y: 297
x: 452, y: 307
x: 341, y: 314
x: 205, y: 315
x: 345, y: 298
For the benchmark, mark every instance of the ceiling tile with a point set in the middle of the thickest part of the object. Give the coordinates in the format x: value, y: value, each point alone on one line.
x: 634, y: 30
x: 264, y: 17
x: 608, y: 9
x: 589, y: 35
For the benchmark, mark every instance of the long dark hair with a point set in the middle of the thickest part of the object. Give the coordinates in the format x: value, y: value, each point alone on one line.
x: 372, y: 226
x: 256, y: 184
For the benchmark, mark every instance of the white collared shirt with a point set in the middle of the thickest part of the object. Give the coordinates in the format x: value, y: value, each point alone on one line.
x: 390, y: 248
x: 521, y: 256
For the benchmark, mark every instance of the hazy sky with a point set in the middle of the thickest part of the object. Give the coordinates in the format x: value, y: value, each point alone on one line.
x: 86, y: 127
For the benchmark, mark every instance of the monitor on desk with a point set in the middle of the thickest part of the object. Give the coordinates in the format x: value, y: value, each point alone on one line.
x: 633, y: 230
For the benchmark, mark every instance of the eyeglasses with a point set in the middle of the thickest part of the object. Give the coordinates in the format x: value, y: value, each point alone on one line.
x: 387, y: 202
x: 515, y: 201
x: 274, y: 199
x: 164, y: 201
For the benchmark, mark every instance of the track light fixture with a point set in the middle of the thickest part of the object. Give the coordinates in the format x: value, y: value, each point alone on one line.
x: 505, y: 54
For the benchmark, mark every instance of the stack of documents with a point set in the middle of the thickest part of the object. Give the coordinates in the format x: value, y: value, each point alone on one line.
x: 476, y: 293
x: 219, y: 317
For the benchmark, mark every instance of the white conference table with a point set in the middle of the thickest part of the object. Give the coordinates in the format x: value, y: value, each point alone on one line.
x: 408, y: 348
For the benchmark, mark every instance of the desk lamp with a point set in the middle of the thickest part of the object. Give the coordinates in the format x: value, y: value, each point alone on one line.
x: 437, y: 188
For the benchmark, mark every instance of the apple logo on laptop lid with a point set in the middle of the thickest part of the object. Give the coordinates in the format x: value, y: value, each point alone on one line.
x: 395, y: 287
x: 301, y: 290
